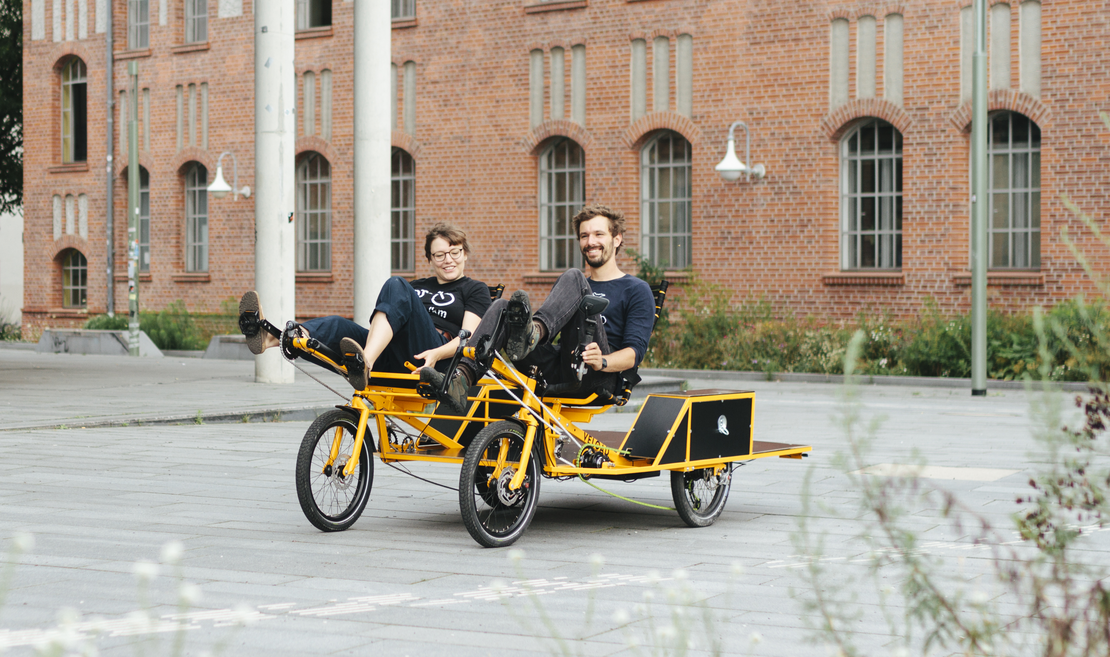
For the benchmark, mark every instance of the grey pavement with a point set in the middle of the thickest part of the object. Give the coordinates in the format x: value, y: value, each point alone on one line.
x: 407, y: 579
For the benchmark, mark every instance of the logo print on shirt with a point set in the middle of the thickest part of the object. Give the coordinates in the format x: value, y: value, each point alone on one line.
x: 443, y: 299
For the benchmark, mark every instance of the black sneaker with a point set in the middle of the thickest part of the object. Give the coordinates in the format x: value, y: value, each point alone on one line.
x: 522, y: 332
x: 352, y: 360
x: 250, y: 322
x: 454, y: 400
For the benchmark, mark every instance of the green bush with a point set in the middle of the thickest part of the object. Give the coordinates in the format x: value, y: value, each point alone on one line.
x: 710, y: 333
x: 172, y: 328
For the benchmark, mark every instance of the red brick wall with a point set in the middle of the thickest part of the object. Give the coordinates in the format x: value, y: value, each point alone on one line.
x: 765, y: 63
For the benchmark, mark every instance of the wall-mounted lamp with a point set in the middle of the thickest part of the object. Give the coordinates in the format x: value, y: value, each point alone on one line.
x: 731, y: 168
x: 219, y: 187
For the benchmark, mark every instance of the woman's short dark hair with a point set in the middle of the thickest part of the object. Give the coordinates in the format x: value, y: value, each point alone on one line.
x: 450, y: 234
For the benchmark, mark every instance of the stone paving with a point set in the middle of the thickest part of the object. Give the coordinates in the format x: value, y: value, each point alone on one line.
x: 407, y: 579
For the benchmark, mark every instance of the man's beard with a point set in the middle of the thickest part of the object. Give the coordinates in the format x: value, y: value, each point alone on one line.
x: 603, y: 257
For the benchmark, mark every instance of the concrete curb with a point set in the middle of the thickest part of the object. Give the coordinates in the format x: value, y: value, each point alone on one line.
x: 280, y: 414
x: 797, y: 377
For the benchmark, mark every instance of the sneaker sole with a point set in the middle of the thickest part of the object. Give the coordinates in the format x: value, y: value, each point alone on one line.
x: 250, y: 304
x: 518, y: 317
x: 352, y: 360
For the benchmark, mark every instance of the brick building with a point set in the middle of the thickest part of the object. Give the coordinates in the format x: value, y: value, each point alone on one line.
x: 510, y: 114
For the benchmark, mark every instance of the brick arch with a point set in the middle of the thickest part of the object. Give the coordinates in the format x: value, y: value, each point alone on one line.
x: 635, y: 134
x: 406, y: 142
x: 837, y: 122
x: 146, y: 161
x: 534, y: 140
x: 67, y: 49
x: 67, y: 242
x: 187, y: 155
x: 1005, y: 99
x: 315, y: 144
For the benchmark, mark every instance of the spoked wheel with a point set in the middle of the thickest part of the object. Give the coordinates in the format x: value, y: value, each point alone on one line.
x: 331, y: 501
x: 494, y: 514
x: 700, y: 495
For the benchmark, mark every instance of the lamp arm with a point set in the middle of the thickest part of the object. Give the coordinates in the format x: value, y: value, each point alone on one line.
x: 234, y: 172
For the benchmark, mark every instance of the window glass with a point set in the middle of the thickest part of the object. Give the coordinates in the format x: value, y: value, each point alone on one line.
x: 403, y: 9
x: 403, y: 212
x: 144, y: 220
x: 313, y: 13
x: 871, y: 197
x: 665, y: 193
x: 74, y: 111
x: 562, y: 195
x: 196, y: 218
x: 314, y: 214
x: 1014, y: 147
x: 74, y: 279
x: 138, y: 24
x: 196, y: 21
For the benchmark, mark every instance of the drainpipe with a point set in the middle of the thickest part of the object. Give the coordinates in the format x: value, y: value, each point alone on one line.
x: 109, y: 168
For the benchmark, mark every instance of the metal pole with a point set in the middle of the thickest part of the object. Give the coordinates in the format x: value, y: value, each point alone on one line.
x: 979, y: 204
x: 275, y: 93
x: 373, y: 30
x: 110, y: 219
x: 133, y: 212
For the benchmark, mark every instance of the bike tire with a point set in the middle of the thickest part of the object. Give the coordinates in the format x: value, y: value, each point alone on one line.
x: 494, y: 515
x: 331, y: 502
x: 700, y: 496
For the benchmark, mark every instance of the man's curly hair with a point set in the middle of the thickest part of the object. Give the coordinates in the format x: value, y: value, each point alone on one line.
x: 615, y: 217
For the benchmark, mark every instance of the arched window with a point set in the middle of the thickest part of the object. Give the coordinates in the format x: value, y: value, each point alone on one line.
x: 314, y: 214
x: 402, y: 211
x: 1014, y: 145
x: 74, y: 111
x: 196, y: 218
x: 665, y: 194
x: 871, y: 197
x: 75, y: 282
x: 144, y: 220
x: 138, y: 24
x: 562, y: 195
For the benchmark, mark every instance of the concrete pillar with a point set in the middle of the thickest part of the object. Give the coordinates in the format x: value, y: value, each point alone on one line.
x: 373, y: 31
x: 275, y: 125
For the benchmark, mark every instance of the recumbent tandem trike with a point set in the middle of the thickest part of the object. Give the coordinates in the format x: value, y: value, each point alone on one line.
x: 516, y: 432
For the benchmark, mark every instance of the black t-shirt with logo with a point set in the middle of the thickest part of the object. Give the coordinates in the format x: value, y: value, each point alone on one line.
x: 448, y: 302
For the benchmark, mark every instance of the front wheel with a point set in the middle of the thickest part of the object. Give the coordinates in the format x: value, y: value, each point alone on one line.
x: 494, y: 514
x: 700, y: 495
x: 331, y: 501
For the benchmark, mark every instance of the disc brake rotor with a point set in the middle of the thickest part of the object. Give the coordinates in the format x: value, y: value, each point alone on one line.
x: 506, y: 495
x: 338, y: 481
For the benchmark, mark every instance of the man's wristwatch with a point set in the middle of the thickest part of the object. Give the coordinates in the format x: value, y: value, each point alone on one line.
x: 604, y: 364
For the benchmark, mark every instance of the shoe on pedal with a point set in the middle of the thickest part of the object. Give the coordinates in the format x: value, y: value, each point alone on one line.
x: 522, y: 334
x: 454, y: 399
x: 250, y: 322
x: 357, y: 375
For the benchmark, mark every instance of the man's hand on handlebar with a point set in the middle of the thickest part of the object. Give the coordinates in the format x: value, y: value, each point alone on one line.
x: 592, y: 356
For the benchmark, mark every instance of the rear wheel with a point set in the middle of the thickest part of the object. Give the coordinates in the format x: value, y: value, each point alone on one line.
x: 494, y: 514
x: 331, y: 501
x: 700, y: 495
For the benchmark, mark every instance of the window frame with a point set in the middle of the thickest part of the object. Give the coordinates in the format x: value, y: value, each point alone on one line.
x: 560, y: 251
x: 313, y: 253
x: 402, y: 217
x: 1031, y: 194
x: 80, y: 289
x: 196, y: 220
x: 886, y: 249
x: 196, y: 20
x: 74, y: 111
x: 651, y: 202
x: 138, y: 24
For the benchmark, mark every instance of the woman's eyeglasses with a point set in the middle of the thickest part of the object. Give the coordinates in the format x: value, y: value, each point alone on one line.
x: 455, y: 254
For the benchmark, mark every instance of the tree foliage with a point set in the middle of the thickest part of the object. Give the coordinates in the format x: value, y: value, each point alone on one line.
x: 11, y: 104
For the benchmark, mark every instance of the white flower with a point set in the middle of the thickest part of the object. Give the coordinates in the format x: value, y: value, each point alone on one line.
x: 172, y: 551
x: 23, y: 541
x: 597, y: 560
x: 516, y: 555
x: 649, y: 595
x: 756, y: 638
x: 737, y: 569
x: 190, y: 593
x: 145, y: 570
x: 621, y: 617
x: 980, y: 597
x: 666, y: 632
x: 679, y: 574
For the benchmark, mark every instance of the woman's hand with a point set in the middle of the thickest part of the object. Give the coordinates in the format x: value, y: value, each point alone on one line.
x: 430, y: 358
